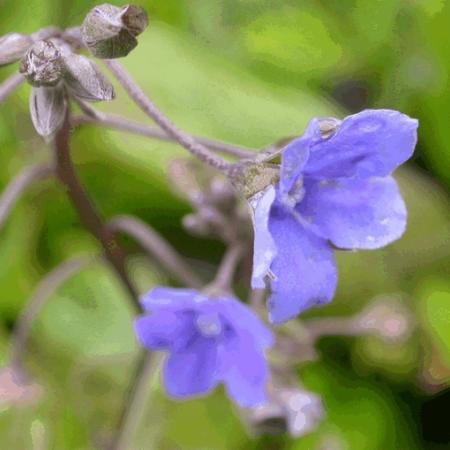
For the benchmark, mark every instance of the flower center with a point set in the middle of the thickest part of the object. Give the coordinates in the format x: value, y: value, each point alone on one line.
x: 209, y: 324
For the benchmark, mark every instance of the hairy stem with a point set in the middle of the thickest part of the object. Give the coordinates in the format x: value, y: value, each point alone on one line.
x: 157, y: 247
x: 10, y: 85
x: 86, y: 210
x: 18, y: 185
x: 147, y: 105
x: 121, y: 123
x: 43, y: 292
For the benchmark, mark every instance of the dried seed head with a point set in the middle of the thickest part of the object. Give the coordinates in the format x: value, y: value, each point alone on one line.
x: 13, y: 46
x: 84, y: 79
x: 42, y: 65
x: 48, y: 109
x: 135, y: 19
x: 110, y: 32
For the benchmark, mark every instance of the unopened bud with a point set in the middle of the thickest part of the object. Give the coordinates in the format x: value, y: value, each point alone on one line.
x: 110, y: 32
x: 303, y: 409
x: 291, y: 410
x: 13, y: 46
x: 195, y: 225
x: 42, y: 65
x: 222, y: 192
x: 387, y: 318
x: 48, y: 109
x: 84, y: 79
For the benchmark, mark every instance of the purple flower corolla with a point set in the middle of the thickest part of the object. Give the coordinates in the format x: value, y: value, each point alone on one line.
x: 335, y: 191
x: 209, y: 341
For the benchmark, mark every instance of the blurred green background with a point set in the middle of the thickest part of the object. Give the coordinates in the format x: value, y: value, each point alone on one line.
x: 250, y: 72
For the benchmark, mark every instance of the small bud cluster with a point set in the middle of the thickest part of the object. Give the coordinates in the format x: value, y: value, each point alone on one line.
x: 51, y: 65
x: 218, y: 209
x: 55, y: 72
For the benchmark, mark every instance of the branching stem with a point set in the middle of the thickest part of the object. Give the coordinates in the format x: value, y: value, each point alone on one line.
x: 43, y: 292
x: 10, y: 85
x: 157, y: 247
x: 147, y: 105
x: 95, y: 117
x: 87, y: 211
x: 18, y: 185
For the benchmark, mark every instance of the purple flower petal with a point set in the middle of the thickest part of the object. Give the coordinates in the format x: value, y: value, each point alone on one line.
x: 355, y: 213
x: 163, y: 297
x: 304, y: 268
x: 244, y: 370
x: 193, y: 370
x: 246, y: 321
x: 296, y: 154
x: 162, y: 329
x: 370, y: 143
x: 264, y: 247
x: 195, y: 329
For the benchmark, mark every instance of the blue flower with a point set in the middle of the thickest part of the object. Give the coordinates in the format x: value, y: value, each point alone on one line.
x: 335, y: 191
x: 209, y: 341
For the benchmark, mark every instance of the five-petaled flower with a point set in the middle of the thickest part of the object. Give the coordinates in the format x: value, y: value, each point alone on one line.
x: 209, y: 340
x: 335, y: 191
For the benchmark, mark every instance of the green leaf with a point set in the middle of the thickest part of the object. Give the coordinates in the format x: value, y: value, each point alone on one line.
x: 434, y: 307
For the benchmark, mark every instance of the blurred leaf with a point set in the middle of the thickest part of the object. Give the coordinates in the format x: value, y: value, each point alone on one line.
x: 434, y: 306
x: 89, y: 316
x: 296, y: 39
x: 359, y: 414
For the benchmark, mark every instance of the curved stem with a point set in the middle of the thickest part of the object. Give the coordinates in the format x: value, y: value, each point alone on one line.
x: 86, y: 210
x: 10, y: 85
x: 120, y: 123
x: 184, y: 139
x: 225, y: 273
x: 42, y: 293
x: 333, y: 326
x: 18, y: 185
x: 135, y: 403
x: 157, y: 247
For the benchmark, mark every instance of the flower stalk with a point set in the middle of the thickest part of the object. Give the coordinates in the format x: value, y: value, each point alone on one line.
x: 87, y: 211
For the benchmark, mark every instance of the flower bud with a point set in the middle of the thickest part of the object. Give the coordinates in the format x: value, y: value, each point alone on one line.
x: 289, y: 409
x: 42, y: 65
x: 304, y: 411
x: 13, y: 46
x: 48, y: 109
x: 195, y: 225
x: 110, y: 32
x: 387, y: 318
x: 84, y: 79
x: 222, y: 193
